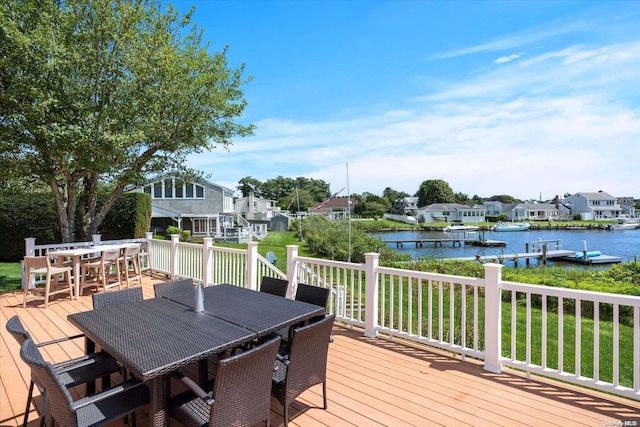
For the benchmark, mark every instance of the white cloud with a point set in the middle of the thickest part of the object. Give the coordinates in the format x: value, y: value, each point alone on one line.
x: 509, y: 58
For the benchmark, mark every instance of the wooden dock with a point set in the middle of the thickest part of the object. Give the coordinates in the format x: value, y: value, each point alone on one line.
x: 440, y: 242
x: 516, y: 257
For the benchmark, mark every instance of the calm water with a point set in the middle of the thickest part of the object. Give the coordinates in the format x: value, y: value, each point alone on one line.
x: 624, y: 244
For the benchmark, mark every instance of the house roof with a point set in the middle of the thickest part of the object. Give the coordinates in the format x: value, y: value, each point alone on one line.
x: 448, y: 207
x: 334, y: 203
x: 600, y: 195
x: 536, y: 206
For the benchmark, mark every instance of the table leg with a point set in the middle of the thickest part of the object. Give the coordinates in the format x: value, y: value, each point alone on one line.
x: 76, y: 275
x: 89, y: 348
x: 159, y: 389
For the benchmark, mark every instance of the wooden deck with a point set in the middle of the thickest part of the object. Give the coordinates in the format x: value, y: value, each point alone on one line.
x: 371, y: 382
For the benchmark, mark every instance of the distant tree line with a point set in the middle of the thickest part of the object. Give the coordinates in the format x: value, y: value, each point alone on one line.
x: 299, y: 194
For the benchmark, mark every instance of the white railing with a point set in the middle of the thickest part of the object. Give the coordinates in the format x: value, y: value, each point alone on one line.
x: 469, y: 316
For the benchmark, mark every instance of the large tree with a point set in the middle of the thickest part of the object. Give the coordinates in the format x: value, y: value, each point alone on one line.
x: 107, y: 91
x: 435, y: 191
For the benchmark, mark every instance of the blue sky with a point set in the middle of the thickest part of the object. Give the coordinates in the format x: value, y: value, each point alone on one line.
x: 527, y: 98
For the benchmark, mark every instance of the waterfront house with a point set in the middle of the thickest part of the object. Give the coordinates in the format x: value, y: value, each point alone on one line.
x: 256, y: 209
x: 204, y: 208
x: 450, y: 212
x: 594, y: 206
x: 532, y: 211
x: 410, y: 205
x: 628, y: 206
x: 334, y: 208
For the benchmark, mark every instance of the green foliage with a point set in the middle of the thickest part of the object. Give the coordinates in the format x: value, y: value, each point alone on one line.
x: 130, y: 217
x: 330, y: 239
x: 380, y: 225
x: 301, y: 191
x: 26, y: 215
x: 372, y: 206
x: 10, y: 276
x: 185, y: 235
x: 434, y: 191
x: 107, y: 91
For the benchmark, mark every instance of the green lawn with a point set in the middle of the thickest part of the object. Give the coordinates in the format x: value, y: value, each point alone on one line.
x: 10, y: 276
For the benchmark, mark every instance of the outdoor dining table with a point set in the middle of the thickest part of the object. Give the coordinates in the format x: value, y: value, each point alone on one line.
x: 260, y: 312
x: 76, y: 255
x: 153, y: 337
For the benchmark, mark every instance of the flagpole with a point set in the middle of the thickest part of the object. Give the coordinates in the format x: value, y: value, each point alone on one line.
x: 348, y: 214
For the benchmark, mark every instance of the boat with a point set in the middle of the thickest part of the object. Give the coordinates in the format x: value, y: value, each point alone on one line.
x: 511, y: 226
x: 590, y: 254
x: 460, y: 228
x: 624, y: 225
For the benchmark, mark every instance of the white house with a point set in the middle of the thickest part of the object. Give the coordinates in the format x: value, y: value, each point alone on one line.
x: 448, y: 212
x: 594, y: 206
x: 532, y: 211
x: 254, y: 208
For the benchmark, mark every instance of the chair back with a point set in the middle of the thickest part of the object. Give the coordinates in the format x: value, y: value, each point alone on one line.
x: 131, y: 251
x: 108, y: 299
x: 36, y: 262
x: 313, y: 294
x: 167, y: 288
x: 242, y: 388
x: 17, y: 330
x: 308, y: 357
x: 111, y: 255
x: 60, y: 400
x: 274, y: 286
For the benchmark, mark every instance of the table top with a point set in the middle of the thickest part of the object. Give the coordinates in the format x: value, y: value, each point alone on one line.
x: 156, y: 336
x: 258, y: 311
x: 89, y: 250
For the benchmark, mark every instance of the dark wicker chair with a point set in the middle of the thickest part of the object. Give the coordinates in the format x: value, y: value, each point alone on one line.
x: 90, y: 411
x: 108, y: 299
x: 313, y: 294
x: 240, y: 391
x: 305, y: 365
x: 310, y: 294
x: 167, y: 288
x: 274, y: 286
x: 70, y: 372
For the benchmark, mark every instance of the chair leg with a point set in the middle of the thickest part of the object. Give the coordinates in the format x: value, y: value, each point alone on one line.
x: 45, y: 404
x: 26, y: 411
x: 47, y: 289
x: 286, y: 415
x: 324, y: 394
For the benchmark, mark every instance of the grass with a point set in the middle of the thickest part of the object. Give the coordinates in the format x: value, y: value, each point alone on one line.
x: 585, y: 339
x: 10, y: 276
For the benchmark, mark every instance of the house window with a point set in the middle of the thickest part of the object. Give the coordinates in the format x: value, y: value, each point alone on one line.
x: 178, y: 189
x: 173, y: 188
x: 157, y: 190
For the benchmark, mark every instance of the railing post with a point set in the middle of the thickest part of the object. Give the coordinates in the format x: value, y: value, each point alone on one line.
x: 492, y: 317
x: 292, y: 253
x: 207, y: 260
x: 29, y: 250
x: 371, y: 295
x: 252, y: 266
x: 173, y: 267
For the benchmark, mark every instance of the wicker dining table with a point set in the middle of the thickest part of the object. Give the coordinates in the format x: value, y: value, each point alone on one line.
x: 153, y: 337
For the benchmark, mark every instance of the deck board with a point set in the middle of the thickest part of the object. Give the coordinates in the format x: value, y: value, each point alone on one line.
x: 371, y: 382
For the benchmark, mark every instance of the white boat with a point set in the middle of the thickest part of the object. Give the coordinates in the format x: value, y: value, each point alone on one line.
x: 624, y: 226
x: 512, y: 226
x: 460, y: 228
